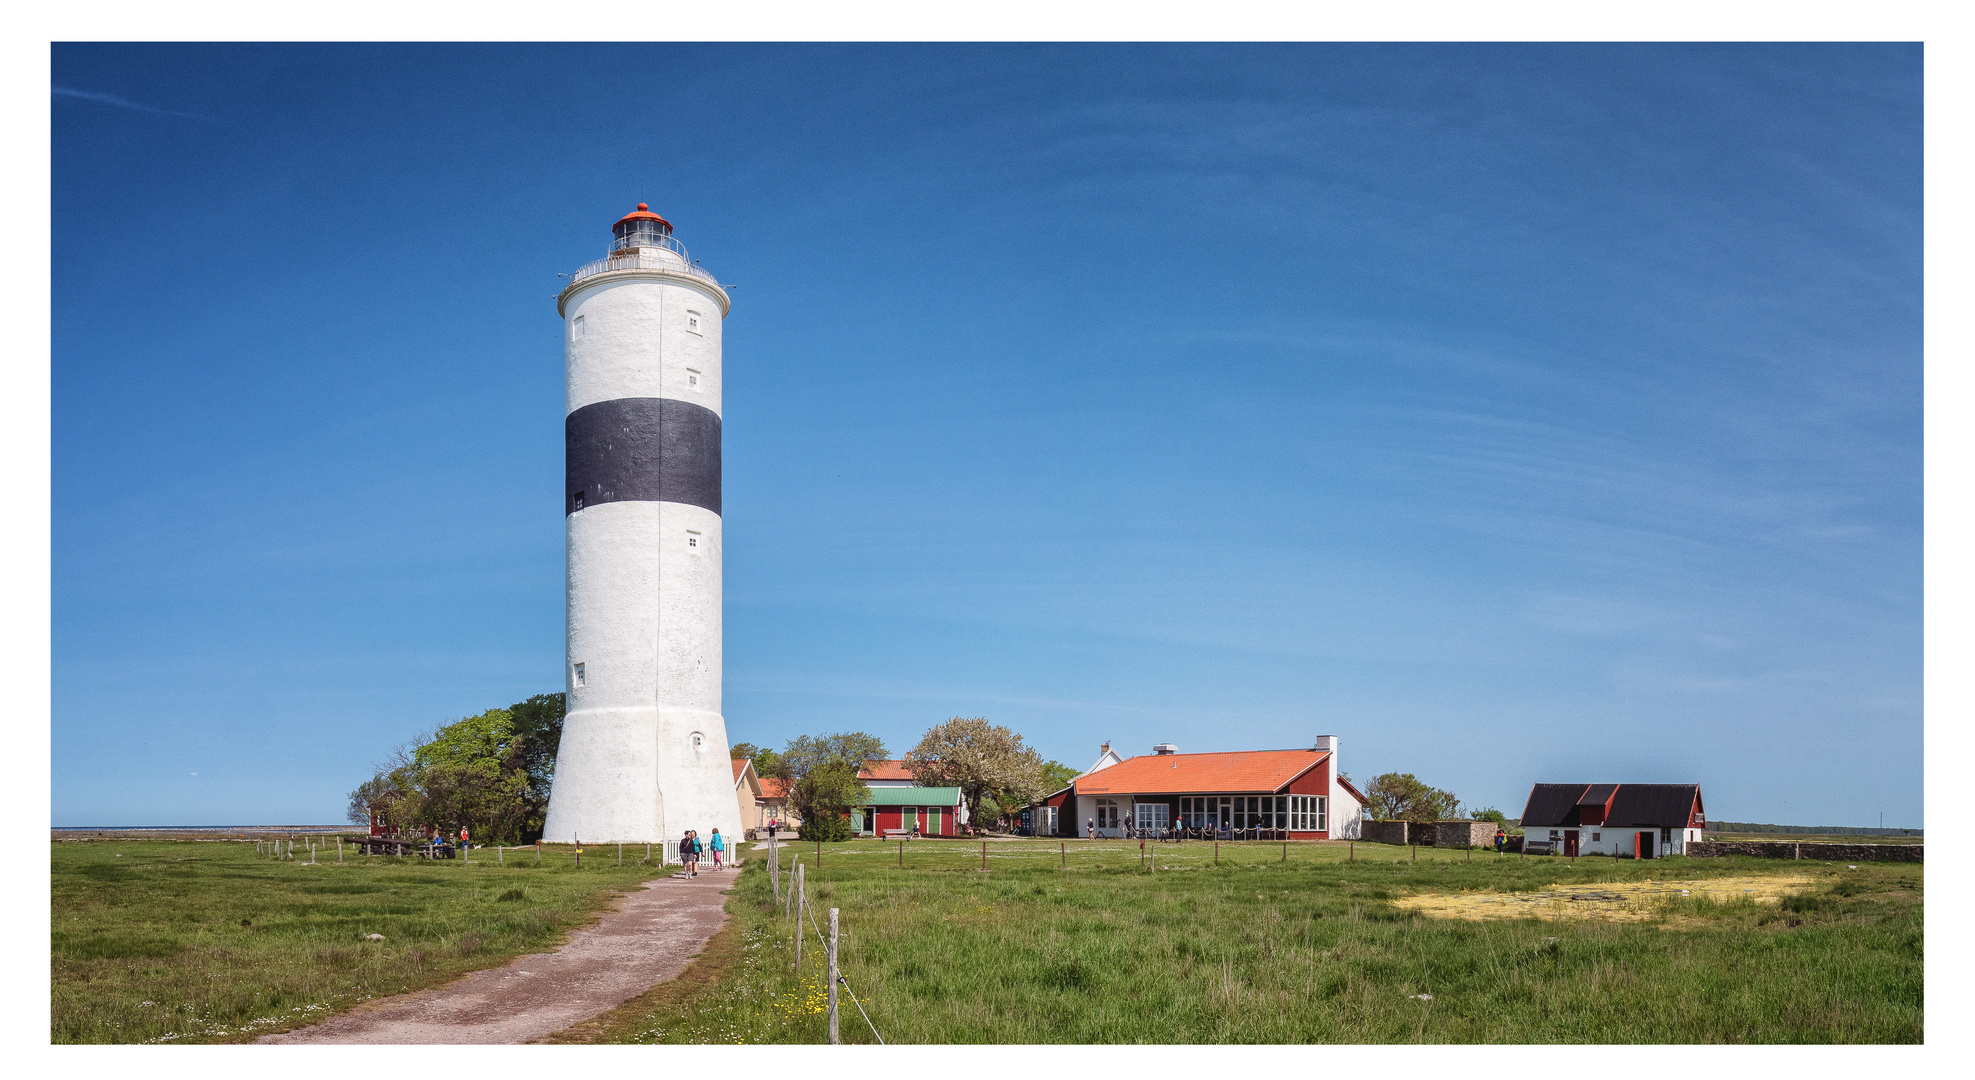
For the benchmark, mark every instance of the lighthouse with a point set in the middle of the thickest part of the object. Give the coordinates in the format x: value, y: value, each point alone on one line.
x: 644, y: 752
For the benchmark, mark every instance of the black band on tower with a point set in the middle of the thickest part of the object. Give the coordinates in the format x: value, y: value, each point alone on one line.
x: 641, y: 450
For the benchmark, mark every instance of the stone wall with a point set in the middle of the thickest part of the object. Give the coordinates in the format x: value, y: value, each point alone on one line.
x: 1386, y: 832
x: 1787, y: 849
x: 1463, y: 833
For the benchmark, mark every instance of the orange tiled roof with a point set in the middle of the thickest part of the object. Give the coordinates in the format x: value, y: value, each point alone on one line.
x: 740, y: 766
x: 1239, y: 770
x: 885, y: 770
x: 774, y: 788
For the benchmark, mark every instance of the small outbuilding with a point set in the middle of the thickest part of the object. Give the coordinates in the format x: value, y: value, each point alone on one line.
x: 1642, y: 821
x: 899, y: 811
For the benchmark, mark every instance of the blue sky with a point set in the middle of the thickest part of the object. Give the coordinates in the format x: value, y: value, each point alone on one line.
x: 1514, y: 413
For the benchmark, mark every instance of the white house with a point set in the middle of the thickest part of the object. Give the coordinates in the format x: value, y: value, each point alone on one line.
x: 1642, y: 821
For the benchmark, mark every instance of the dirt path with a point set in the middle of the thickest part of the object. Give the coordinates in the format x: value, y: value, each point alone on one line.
x: 650, y: 937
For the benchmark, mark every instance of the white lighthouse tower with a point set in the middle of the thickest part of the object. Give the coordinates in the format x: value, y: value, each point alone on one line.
x: 644, y: 752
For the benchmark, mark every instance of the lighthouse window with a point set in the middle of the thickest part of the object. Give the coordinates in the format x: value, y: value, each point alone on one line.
x: 581, y: 679
x: 692, y: 377
x: 576, y: 327
x: 692, y: 540
x: 692, y: 321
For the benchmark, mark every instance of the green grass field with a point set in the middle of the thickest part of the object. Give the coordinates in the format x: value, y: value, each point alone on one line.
x: 1259, y: 950
x: 208, y: 942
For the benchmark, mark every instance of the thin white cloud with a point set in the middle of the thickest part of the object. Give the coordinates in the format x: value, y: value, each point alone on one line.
x: 112, y: 99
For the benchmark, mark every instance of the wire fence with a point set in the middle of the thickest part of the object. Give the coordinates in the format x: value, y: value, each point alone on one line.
x: 796, y: 905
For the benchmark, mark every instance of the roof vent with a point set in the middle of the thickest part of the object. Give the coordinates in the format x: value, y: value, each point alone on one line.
x: 1165, y: 748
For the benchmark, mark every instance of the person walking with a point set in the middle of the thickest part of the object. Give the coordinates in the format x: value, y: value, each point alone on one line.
x: 1090, y: 826
x: 1501, y: 837
x: 719, y: 847
x: 464, y: 843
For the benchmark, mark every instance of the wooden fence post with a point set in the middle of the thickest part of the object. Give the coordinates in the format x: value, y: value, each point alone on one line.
x: 984, y: 854
x: 620, y: 853
x: 1063, y: 849
x: 901, y: 854
x: 1285, y: 851
x: 800, y: 898
x: 579, y: 851
x: 834, y: 1039
x: 1351, y: 850
x: 500, y: 855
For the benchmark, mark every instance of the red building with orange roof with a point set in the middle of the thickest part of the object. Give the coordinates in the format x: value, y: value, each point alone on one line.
x: 1292, y: 794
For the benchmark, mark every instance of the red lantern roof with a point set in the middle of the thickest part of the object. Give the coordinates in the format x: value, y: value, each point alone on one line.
x: 643, y: 213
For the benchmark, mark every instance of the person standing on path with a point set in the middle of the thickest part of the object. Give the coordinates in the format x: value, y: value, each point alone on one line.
x: 719, y: 847
x: 464, y: 843
x: 689, y: 853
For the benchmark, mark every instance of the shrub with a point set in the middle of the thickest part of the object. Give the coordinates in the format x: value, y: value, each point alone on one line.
x: 827, y: 827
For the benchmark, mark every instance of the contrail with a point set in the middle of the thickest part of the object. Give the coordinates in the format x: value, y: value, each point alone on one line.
x: 112, y: 99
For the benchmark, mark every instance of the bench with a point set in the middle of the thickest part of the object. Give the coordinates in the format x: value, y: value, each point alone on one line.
x: 895, y: 834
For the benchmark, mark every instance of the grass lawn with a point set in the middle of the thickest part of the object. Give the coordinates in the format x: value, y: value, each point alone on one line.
x: 156, y: 941
x: 1308, y: 950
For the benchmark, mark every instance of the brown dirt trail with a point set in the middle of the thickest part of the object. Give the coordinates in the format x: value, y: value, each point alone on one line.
x: 649, y: 937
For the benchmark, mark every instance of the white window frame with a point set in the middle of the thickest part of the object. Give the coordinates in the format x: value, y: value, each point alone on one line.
x: 576, y: 327
x: 579, y: 675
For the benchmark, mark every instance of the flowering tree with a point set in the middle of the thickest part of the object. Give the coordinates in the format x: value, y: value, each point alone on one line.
x: 983, y: 760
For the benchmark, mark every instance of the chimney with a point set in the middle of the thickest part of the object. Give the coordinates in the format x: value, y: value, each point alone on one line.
x: 1165, y: 748
x: 1327, y: 742
x: 1103, y: 749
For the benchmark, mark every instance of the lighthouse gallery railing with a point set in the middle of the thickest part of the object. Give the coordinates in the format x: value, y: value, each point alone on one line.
x: 644, y: 259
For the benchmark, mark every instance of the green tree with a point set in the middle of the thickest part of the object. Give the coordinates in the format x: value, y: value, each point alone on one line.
x: 1403, y: 797
x: 982, y: 760
x: 490, y: 773
x: 469, y: 773
x: 826, y: 795
x: 766, y: 762
x: 822, y: 772
x: 537, y: 738
x: 1056, y: 776
x: 1489, y: 813
x: 805, y: 754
